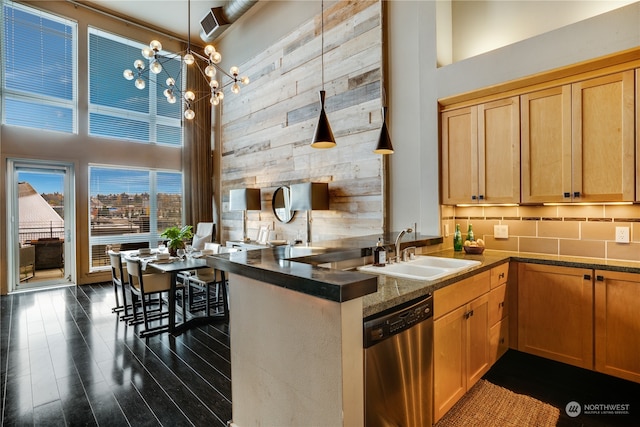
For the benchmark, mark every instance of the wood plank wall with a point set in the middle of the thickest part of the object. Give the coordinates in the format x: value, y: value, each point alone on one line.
x: 267, y: 129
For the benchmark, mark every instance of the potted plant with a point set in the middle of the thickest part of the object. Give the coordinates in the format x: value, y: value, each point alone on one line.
x: 176, y: 237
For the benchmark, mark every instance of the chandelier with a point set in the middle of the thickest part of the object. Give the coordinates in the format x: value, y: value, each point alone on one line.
x: 207, y: 64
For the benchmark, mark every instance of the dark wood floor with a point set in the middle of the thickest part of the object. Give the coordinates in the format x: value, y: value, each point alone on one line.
x: 559, y: 384
x: 66, y: 360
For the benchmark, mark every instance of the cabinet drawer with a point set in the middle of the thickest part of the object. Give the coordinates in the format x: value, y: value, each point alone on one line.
x: 460, y: 293
x: 498, y: 339
x: 498, y: 301
x: 499, y: 275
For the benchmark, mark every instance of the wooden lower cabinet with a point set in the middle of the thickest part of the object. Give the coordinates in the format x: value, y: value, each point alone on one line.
x: 617, y: 324
x: 498, y: 340
x: 461, y: 339
x: 555, y: 313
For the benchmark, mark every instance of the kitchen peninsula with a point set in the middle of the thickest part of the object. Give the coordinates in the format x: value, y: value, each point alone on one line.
x: 296, y: 323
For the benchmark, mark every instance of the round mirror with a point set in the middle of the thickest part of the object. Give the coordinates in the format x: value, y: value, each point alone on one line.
x: 282, y: 204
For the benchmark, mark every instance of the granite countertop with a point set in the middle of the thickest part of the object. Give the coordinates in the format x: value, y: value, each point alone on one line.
x: 300, y: 268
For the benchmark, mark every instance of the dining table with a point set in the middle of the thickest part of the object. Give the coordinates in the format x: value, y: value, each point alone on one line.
x: 175, y: 266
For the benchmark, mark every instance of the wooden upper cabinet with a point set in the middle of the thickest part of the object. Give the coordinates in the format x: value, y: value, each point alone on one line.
x: 638, y: 135
x: 603, y: 133
x: 459, y: 155
x: 546, y: 145
x: 481, y: 153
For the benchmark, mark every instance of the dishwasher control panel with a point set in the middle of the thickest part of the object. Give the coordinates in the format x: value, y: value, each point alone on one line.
x: 386, y: 324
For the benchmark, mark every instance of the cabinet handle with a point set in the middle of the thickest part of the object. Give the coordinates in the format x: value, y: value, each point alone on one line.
x: 501, y: 304
x: 501, y: 276
x: 501, y: 340
x: 576, y: 194
x: 567, y: 195
x: 473, y: 197
x: 481, y: 197
x: 587, y: 277
x: 600, y: 278
x: 468, y: 314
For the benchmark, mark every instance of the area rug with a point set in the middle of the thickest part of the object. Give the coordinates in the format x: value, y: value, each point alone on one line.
x: 487, y: 404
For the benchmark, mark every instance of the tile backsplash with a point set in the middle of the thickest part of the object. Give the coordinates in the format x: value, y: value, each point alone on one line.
x: 584, y: 231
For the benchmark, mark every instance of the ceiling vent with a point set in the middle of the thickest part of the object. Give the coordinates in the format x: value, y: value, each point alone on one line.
x: 213, y: 24
x: 219, y: 18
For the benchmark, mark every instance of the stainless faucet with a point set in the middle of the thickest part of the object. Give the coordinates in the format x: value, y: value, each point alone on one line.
x: 402, y: 233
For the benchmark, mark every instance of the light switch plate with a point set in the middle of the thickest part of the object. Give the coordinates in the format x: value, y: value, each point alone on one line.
x: 446, y: 230
x: 622, y: 234
x: 500, y: 231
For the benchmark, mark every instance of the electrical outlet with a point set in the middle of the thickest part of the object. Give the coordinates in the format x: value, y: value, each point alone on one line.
x: 500, y: 231
x: 622, y: 234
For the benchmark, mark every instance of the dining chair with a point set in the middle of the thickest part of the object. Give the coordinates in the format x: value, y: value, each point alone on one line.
x: 119, y: 281
x: 204, y: 233
x: 144, y: 286
x: 204, y: 287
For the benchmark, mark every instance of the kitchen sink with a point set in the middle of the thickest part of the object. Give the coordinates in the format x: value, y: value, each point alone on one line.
x: 423, y: 268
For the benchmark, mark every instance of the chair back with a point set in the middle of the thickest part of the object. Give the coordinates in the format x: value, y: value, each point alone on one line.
x: 215, y: 247
x: 203, y: 234
x: 117, y: 270
x: 135, y: 272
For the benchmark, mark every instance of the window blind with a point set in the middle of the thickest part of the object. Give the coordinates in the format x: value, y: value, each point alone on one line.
x: 39, y: 63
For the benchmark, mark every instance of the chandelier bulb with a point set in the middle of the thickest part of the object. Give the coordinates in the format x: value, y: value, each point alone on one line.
x: 155, y: 67
x: 210, y: 70
x: 189, y: 96
x: 208, y: 50
x: 235, y: 88
x: 220, y: 95
x: 170, y: 81
x: 189, y: 114
x: 139, y: 64
x: 171, y: 99
x: 167, y: 93
x: 214, y: 84
x: 189, y: 59
x: 214, y: 100
x: 245, y: 80
x: 155, y: 45
x: 234, y: 71
x: 128, y: 74
x: 140, y: 84
x: 147, y: 52
x: 216, y: 57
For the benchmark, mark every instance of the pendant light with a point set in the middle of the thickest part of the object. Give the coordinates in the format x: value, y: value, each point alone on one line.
x: 323, y: 136
x: 384, y: 141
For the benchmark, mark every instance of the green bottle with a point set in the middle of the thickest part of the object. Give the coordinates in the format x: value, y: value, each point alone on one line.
x: 457, y: 239
x: 470, y: 234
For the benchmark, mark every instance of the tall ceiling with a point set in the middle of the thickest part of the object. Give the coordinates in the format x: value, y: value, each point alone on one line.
x: 169, y: 16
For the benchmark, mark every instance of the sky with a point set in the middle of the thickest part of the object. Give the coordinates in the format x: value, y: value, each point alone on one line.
x: 44, y: 183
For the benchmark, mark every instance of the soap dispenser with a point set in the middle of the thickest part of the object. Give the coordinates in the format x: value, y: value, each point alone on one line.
x: 379, y: 254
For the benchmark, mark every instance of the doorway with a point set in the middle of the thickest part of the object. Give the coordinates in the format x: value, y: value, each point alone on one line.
x: 41, y: 227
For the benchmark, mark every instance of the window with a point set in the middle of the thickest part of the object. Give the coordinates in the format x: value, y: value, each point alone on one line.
x: 117, y: 109
x: 130, y: 208
x: 39, y: 69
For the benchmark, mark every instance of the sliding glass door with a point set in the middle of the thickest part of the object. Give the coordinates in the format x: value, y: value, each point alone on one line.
x: 40, y: 232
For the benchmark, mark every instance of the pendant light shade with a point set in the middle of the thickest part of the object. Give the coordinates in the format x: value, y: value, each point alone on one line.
x: 384, y: 142
x: 323, y: 137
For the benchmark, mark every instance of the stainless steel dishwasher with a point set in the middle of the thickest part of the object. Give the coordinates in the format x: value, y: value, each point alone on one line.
x: 398, y: 347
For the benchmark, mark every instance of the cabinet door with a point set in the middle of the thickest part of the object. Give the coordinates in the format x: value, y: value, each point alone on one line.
x: 638, y: 135
x: 617, y: 324
x: 603, y: 139
x: 499, y: 151
x: 546, y: 145
x: 498, y: 340
x: 459, y: 155
x: 497, y: 304
x: 477, y: 324
x: 555, y: 314
x: 449, y: 343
